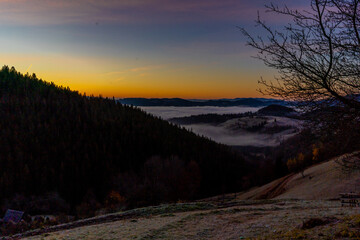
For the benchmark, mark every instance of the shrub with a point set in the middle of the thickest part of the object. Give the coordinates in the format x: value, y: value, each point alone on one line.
x: 114, y: 200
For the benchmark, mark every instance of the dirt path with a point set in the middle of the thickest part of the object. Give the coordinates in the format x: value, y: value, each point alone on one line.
x: 277, y: 189
x: 321, y: 181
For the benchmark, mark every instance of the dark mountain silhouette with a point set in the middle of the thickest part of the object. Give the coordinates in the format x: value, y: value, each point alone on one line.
x: 53, y: 139
x: 179, y: 102
x: 210, y: 118
x: 276, y: 110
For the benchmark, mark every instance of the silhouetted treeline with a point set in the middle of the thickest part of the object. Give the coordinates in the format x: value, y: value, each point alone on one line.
x: 53, y: 139
x: 210, y: 118
x: 277, y: 110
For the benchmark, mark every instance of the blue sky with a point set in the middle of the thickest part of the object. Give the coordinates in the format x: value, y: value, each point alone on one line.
x: 137, y: 48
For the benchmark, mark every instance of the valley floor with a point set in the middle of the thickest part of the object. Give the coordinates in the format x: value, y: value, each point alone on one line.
x: 230, y: 219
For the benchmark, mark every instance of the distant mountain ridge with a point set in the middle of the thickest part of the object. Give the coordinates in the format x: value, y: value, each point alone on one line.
x: 179, y: 102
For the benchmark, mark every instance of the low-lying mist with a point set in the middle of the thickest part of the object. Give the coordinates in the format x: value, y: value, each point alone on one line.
x: 222, y: 133
x: 226, y: 136
x: 171, y: 112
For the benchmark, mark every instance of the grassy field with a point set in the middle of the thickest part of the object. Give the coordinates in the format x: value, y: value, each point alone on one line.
x: 232, y: 219
x: 293, y: 207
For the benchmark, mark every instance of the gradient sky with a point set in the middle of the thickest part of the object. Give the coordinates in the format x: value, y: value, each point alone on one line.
x: 137, y: 48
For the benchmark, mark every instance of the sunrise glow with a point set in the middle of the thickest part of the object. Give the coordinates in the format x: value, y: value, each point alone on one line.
x: 152, y: 48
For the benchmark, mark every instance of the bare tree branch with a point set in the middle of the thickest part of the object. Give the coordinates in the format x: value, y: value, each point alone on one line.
x: 317, y: 55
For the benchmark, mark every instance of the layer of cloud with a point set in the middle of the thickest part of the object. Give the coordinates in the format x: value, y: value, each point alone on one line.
x: 146, y: 68
x: 171, y: 112
x: 39, y: 12
x: 238, y: 138
x: 222, y: 133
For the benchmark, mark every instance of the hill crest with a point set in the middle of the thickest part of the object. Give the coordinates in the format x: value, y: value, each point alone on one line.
x: 322, y: 181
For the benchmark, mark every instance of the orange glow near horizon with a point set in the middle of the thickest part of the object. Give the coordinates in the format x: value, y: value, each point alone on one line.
x: 151, y: 89
x: 153, y: 49
x: 148, y: 81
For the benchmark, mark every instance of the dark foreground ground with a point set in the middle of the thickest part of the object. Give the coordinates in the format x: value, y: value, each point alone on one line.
x: 218, y: 218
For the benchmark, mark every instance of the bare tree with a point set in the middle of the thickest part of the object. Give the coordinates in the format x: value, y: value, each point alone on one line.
x: 317, y: 55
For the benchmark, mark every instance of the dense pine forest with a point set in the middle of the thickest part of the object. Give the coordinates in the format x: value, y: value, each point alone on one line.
x: 89, y: 151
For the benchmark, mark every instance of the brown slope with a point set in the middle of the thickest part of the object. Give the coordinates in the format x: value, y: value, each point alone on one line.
x: 322, y: 181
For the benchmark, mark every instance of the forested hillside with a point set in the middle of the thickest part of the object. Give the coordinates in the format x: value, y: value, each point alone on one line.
x: 81, y: 149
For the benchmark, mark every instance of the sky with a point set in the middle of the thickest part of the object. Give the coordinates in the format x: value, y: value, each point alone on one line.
x: 138, y: 48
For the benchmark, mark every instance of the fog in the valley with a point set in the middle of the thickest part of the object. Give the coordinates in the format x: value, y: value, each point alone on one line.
x: 239, y: 138
x: 227, y: 136
x: 223, y: 133
x: 171, y: 112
